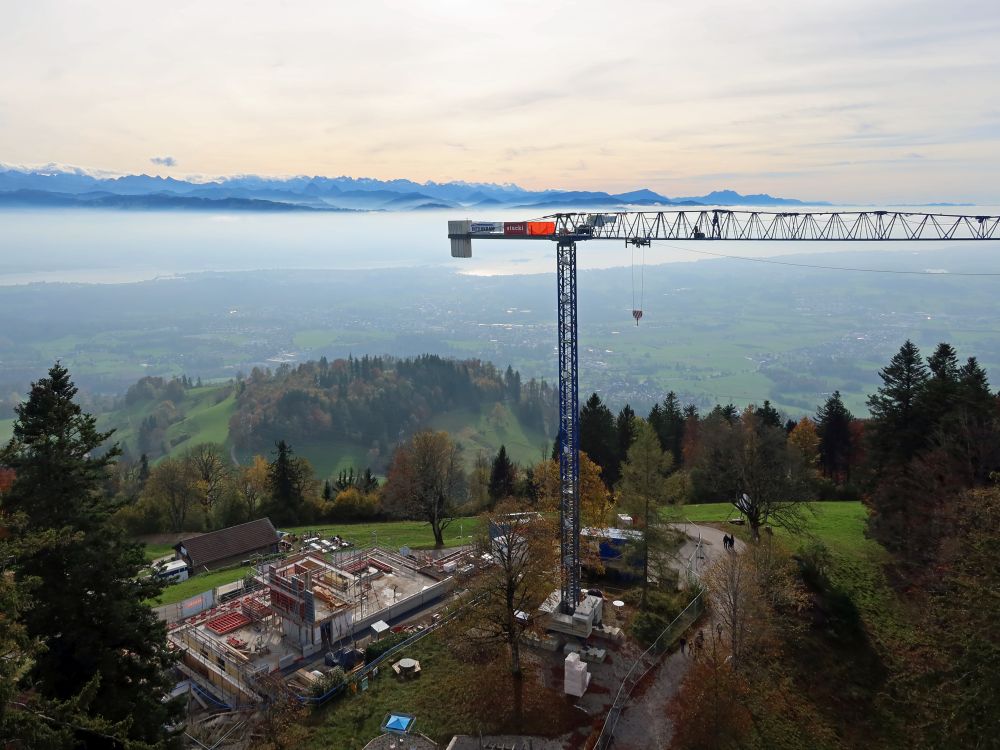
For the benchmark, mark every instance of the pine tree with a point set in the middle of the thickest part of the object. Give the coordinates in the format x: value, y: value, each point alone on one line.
x: 597, y: 434
x: 101, y: 642
x: 669, y: 426
x: 503, y: 475
x: 625, y: 434
x: 833, y: 426
x: 898, y: 427
x: 768, y: 416
x: 287, y: 479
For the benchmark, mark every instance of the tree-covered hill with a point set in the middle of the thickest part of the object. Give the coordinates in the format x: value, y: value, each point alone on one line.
x: 345, y: 412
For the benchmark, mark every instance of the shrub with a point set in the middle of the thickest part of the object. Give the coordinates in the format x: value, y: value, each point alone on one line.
x: 388, y: 642
x: 331, y: 681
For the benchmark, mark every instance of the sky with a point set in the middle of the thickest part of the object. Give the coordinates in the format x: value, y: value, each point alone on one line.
x: 849, y: 101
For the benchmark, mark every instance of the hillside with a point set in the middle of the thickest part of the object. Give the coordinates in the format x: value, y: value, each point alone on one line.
x: 350, y: 419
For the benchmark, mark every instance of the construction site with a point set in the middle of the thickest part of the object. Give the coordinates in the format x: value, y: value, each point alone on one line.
x: 310, y: 606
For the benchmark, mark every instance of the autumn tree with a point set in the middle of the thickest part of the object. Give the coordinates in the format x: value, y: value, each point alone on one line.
x: 172, y: 488
x: 479, y: 481
x: 426, y: 481
x: 804, y: 438
x: 522, y: 575
x: 213, y: 475
x: 643, y: 492
x: 753, y: 466
x: 253, y: 486
x: 595, y: 502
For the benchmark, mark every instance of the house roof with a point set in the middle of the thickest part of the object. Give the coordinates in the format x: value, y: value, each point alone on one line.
x: 235, y: 540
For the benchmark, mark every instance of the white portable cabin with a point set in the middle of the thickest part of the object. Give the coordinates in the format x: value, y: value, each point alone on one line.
x: 174, y: 571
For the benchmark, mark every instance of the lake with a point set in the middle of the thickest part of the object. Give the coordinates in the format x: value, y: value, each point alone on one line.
x: 93, y: 246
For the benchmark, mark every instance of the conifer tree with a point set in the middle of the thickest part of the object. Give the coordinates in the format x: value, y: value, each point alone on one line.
x: 287, y: 477
x: 625, y: 434
x: 643, y: 491
x: 833, y: 426
x: 103, y: 649
x: 597, y: 434
x: 503, y: 475
x: 898, y: 428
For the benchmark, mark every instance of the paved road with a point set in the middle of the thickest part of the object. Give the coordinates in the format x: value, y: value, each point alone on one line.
x: 708, y: 539
x: 645, y: 724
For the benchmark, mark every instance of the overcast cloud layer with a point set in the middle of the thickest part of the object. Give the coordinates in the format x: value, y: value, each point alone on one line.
x: 852, y: 100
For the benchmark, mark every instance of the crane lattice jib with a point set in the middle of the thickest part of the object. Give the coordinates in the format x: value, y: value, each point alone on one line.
x: 723, y: 224
x: 703, y: 224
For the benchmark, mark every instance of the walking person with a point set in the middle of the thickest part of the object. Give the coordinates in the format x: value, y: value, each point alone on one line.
x: 683, y: 642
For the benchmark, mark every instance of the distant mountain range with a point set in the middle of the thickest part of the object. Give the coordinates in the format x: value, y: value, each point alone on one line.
x: 57, y: 186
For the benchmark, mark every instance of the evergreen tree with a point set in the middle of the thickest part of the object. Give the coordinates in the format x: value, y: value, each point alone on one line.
x: 625, y: 429
x: 941, y: 389
x: 503, y: 476
x: 598, y: 438
x: 104, y: 650
x: 669, y: 426
x: 729, y: 412
x: 287, y: 479
x: 898, y: 428
x: 768, y: 416
x: 833, y: 426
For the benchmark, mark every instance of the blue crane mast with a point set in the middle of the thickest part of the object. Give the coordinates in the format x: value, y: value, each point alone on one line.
x: 641, y: 228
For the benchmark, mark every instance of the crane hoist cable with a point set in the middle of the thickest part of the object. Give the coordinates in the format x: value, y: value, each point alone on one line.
x: 638, y: 251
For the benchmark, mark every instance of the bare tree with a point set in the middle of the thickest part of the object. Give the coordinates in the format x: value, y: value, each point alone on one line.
x: 753, y: 465
x: 524, y: 572
x: 213, y: 473
x: 426, y: 481
x: 737, y: 602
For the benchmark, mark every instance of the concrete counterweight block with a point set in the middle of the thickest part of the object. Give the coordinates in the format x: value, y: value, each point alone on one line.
x: 576, y: 678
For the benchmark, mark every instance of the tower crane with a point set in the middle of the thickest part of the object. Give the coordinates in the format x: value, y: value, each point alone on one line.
x: 641, y: 228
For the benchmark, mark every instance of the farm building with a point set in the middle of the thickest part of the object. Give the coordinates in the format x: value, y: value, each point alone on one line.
x: 229, y: 546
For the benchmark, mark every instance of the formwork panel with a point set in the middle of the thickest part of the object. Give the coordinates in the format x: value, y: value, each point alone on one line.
x: 227, y: 623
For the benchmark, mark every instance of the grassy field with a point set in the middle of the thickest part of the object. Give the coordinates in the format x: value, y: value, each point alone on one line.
x: 486, y: 431
x: 156, y: 551
x: 207, y: 423
x: 199, y: 583
x: 389, y: 534
x: 450, y: 698
x: 839, y: 525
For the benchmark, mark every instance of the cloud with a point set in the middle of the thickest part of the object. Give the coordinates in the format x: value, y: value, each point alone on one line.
x: 164, y: 161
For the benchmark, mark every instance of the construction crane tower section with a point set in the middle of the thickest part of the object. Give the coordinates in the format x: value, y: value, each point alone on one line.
x: 644, y: 227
